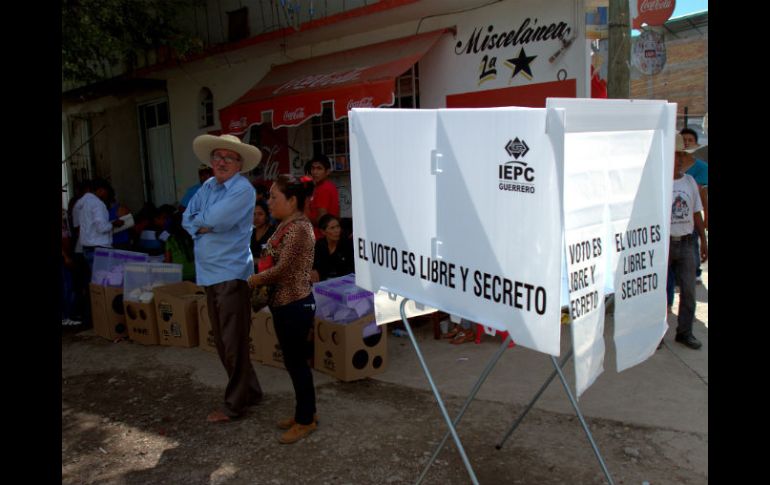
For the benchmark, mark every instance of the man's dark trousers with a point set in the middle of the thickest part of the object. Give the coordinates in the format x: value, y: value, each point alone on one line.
x: 229, y: 309
x: 682, y: 262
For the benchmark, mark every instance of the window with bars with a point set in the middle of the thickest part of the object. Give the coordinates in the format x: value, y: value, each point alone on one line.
x: 205, y: 108
x: 331, y: 137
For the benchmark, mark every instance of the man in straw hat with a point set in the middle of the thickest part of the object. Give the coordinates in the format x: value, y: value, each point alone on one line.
x: 685, y: 215
x: 219, y: 219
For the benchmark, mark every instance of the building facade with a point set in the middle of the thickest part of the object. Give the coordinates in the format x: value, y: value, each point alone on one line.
x: 391, y: 53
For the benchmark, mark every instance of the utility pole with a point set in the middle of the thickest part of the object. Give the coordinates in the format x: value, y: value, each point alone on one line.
x: 619, y: 51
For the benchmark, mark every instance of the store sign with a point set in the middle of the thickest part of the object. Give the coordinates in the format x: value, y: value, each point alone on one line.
x: 492, y: 39
x: 514, y: 51
x: 650, y: 12
x: 648, y: 53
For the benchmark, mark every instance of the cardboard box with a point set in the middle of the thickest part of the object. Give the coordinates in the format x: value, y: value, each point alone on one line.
x: 342, y: 351
x: 177, y: 313
x: 107, y: 313
x: 263, y: 334
x: 142, y: 322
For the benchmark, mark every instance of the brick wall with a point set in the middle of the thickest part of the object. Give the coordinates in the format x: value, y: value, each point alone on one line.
x: 683, y: 80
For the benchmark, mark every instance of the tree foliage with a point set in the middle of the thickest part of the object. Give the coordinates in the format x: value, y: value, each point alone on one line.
x: 96, y: 33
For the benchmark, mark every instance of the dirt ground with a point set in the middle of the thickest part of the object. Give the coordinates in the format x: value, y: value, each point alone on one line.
x: 145, y: 424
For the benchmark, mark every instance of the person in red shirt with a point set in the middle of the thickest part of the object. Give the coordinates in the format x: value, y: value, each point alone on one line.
x: 326, y: 199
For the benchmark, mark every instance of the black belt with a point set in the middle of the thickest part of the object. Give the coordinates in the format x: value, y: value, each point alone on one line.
x: 681, y: 238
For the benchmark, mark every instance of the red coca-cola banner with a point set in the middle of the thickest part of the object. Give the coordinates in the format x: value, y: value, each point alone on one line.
x: 274, y: 144
x: 650, y: 12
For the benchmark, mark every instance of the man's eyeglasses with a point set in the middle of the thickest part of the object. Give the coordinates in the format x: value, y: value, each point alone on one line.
x: 228, y: 159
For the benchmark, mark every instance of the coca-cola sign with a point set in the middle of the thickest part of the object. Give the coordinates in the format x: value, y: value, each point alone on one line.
x: 367, y: 102
x: 319, y: 81
x: 238, y: 125
x: 651, y: 12
x: 297, y: 114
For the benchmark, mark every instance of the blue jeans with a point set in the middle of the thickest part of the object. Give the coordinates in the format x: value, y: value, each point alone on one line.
x: 681, y: 265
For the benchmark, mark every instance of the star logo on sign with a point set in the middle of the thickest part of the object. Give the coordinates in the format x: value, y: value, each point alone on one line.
x: 520, y: 65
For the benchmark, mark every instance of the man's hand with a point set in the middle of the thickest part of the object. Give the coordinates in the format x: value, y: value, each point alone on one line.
x: 118, y: 222
x: 204, y: 230
x: 704, y: 251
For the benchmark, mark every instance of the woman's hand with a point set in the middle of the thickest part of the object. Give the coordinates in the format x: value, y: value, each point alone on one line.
x: 252, y: 281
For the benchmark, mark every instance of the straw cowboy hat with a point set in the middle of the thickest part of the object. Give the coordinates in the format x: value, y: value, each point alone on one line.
x: 205, y: 144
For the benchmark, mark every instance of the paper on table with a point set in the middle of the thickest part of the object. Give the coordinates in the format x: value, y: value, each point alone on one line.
x: 129, y: 223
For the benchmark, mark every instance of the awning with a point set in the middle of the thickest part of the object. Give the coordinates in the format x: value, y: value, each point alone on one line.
x: 357, y: 78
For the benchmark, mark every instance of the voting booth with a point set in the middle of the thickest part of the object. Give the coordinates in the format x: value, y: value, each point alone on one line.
x: 486, y: 213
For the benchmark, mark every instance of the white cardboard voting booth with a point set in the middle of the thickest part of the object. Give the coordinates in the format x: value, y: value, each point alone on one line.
x: 475, y: 211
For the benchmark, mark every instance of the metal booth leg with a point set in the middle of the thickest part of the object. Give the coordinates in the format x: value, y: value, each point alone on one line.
x: 534, y: 400
x: 582, y: 421
x: 487, y: 370
x: 441, y: 406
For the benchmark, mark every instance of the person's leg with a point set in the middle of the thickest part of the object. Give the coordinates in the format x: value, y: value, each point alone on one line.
x: 292, y: 324
x: 230, y: 314
x: 685, y: 271
x: 670, y: 284
x: 81, y: 278
x: 696, y: 251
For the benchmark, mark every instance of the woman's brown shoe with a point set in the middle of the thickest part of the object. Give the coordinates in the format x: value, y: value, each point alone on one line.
x: 297, y: 432
x: 288, y: 423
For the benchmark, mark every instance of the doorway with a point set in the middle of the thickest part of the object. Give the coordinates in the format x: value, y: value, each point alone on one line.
x: 158, y: 157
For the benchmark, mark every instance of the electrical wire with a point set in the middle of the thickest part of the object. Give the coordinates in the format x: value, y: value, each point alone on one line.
x: 454, y: 12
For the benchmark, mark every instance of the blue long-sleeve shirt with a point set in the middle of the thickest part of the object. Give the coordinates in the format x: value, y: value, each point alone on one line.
x: 228, y: 210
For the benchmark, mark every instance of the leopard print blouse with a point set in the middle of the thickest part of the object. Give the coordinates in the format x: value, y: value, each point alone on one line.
x: 293, y: 261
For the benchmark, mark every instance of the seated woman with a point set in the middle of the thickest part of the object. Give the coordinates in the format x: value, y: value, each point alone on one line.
x: 333, y: 254
x: 261, y: 232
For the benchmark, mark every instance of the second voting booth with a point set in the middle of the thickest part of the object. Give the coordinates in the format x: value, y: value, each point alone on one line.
x: 504, y: 216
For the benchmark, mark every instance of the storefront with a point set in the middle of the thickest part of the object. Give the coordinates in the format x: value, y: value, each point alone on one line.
x: 512, y: 53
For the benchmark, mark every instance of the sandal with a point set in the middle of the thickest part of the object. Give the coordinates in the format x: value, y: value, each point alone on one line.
x: 218, y: 417
x: 453, y: 331
x: 463, y: 336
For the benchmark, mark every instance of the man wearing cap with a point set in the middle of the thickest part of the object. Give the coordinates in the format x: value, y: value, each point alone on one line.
x: 204, y: 173
x: 219, y: 219
x: 699, y: 170
x: 685, y: 215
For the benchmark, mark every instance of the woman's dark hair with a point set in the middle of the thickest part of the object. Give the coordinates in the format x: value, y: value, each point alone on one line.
x: 299, y: 187
x: 263, y: 205
x: 326, y: 219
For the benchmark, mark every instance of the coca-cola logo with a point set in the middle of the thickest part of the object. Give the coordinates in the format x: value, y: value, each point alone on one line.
x: 238, y: 124
x: 650, y: 5
x: 320, y: 80
x: 297, y: 114
x: 651, y: 12
x: 367, y: 102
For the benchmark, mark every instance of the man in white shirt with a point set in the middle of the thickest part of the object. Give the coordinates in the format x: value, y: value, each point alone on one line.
x: 91, y: 217
x: 685, y: 215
